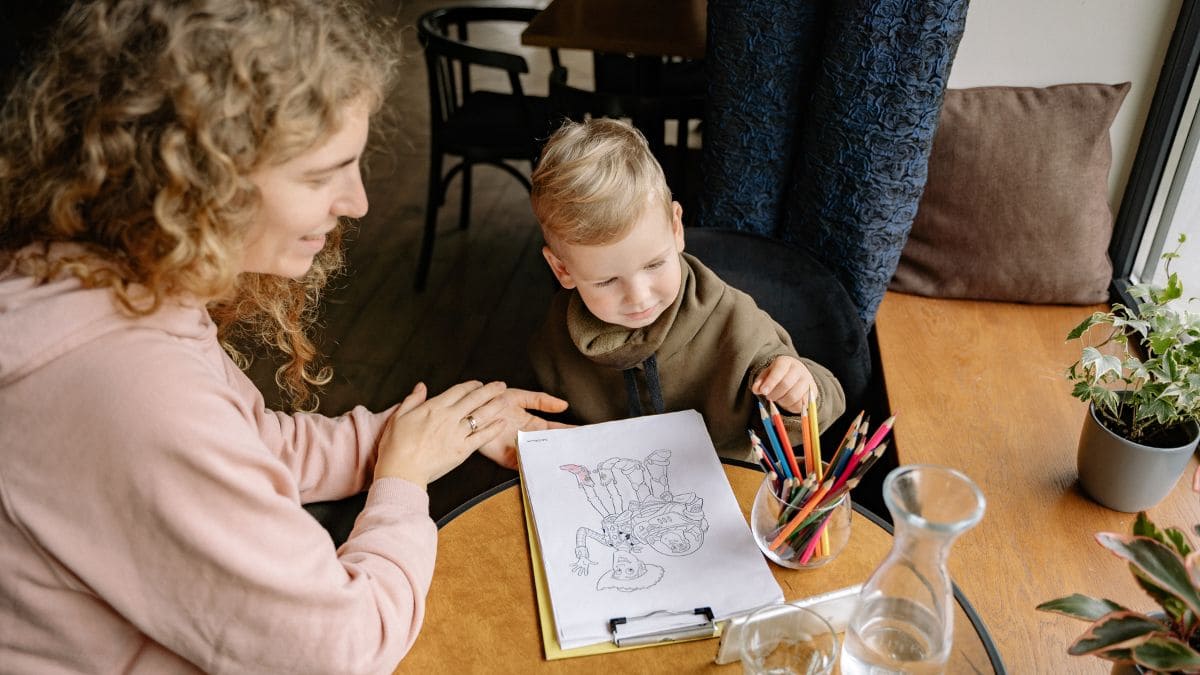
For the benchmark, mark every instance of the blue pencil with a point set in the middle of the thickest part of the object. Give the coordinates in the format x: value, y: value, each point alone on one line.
x: 782, y: 461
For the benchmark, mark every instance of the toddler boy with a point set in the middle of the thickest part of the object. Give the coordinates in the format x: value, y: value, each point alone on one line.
x: 641, y: 327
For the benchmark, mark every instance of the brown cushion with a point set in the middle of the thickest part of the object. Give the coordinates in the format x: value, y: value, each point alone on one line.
x: 1016, y: 205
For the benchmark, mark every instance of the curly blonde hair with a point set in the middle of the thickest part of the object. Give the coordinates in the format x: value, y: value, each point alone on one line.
x: 593, y: 180
x: 135, y: 135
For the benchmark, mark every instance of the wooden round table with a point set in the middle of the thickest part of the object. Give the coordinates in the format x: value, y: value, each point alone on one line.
x: 481, y: 612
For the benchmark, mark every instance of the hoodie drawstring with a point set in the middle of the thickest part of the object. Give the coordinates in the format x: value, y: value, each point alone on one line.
x: 650, y: 365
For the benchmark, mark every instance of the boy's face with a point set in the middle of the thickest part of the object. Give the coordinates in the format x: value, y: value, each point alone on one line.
x: 632, y: 281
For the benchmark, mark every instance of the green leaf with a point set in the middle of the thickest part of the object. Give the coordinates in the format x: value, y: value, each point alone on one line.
x: 1160, y: 344
x: 1116, y: 630
x: 1140, y: 326
x: 1179, y: 541
x: 1117, y: 655
x: 1101, y: 363
x: 1144, y: 527
x: 1166, y: 653
x: 1094, y: 319
x: 1106, y: 398
x: 1161, y: 565
x: 1174, y: 289
x: 1173, y: 606
x: 1078, y: 606
x: 1192, y: 349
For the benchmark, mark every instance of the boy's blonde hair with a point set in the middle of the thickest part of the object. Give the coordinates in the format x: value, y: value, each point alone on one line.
x: 592, y: 182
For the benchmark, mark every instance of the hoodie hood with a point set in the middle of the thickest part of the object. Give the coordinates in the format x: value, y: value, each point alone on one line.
x: 41, y: 322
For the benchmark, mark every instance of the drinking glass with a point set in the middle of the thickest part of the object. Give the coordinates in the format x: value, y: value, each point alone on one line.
x: 783, y: 639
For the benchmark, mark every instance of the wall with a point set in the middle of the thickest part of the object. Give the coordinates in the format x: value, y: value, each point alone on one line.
x: 1044, y: 42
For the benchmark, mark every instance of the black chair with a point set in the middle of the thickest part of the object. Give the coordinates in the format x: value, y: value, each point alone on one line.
x: 477, y: 125
x: 805, y: 298
x: 649, y: 112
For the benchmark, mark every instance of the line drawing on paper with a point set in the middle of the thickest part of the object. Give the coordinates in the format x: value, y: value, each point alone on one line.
x: 637, y: 510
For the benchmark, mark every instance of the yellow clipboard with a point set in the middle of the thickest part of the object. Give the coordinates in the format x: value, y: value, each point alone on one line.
x: 550, y: 644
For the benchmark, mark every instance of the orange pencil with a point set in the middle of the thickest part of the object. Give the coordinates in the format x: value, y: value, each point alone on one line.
x: 784, y: 441
x: 806, y: 441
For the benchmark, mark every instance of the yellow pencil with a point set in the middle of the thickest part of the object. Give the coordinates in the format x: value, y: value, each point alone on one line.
x: 819, y: 464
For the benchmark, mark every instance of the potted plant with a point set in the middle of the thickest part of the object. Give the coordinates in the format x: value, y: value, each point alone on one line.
x: 1164, y: 565
x: 1143, y: 418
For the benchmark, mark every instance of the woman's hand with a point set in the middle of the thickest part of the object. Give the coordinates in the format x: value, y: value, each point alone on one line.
x: 515, y: 412
x: 786, y: 382
x: 423, y: 439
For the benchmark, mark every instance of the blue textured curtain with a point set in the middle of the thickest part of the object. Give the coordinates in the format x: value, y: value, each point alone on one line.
x: 820, y: 120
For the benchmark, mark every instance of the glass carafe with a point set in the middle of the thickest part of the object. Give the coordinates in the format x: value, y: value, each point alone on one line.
x: 904, y: 619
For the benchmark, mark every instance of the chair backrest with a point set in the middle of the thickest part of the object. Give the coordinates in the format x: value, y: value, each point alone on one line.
x: 802, y: 295
x: 574, y: 103
x: 444, y: 34
x: 568, y: 102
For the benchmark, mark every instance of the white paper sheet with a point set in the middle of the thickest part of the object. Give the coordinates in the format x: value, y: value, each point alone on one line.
x: 636, y: 516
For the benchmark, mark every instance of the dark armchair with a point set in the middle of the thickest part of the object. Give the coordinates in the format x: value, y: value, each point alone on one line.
x: 479, y: 126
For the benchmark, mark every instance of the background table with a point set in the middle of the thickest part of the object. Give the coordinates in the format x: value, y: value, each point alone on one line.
x: 642, y: 27
x: 979, y: 386
x: 481, y: 613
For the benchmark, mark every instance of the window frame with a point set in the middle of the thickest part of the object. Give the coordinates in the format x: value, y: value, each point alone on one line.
x: 1179, y: 70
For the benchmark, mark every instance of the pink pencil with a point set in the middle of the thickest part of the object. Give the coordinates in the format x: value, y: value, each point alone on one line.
x: 880, y: 433
x: 811, y: 547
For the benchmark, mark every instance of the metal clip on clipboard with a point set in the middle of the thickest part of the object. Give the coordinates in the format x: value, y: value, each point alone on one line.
x: 662, y: 626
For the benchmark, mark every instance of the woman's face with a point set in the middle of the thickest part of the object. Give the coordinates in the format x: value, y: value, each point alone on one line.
x: 302, y: 199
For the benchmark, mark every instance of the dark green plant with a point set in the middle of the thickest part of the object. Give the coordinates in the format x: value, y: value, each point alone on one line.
x: 1164, y: 566
x: 1150, y: 393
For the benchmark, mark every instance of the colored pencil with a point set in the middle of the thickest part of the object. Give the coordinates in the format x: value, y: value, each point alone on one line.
x: 818, y: 462
x: 796, y: 520
x: 757, y: 448
x: 859, y: 454
x: 811, y: 547
x: 840, y: 456
x: 806, y: 441
x: 784, y: 441
x: 816, y: 432
x: 780, y: 461
x: 880, y: 433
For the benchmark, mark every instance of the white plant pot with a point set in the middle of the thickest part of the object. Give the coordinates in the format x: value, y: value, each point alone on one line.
x: 1128, y: 476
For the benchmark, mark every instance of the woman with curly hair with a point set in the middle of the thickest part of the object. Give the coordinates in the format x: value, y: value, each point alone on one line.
x: 173, y: 177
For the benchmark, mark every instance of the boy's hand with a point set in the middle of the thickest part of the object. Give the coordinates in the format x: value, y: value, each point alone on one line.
x: 786, y: 382
x: 518, y: 402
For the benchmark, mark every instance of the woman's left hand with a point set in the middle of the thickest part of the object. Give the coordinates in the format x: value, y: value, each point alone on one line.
x: 516, y: 404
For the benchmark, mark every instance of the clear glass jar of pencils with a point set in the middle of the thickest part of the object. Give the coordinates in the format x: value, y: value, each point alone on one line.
x: 801, y: 514
x: 815, y: 539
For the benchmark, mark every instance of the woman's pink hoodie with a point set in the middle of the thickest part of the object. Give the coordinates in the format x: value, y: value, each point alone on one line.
x: 150, y: 517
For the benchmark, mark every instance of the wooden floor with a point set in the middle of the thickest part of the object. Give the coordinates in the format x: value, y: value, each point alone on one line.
x: 380, y: 336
